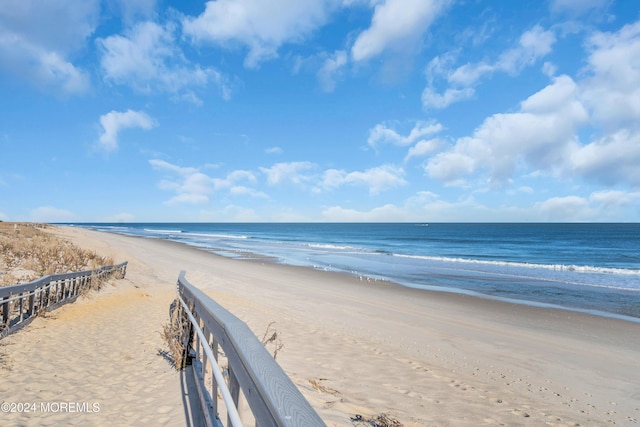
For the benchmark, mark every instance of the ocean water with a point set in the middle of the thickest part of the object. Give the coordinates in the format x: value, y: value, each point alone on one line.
x: 585, y: 267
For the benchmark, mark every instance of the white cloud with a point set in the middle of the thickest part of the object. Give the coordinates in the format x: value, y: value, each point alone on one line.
x: 386, y: 213
x: 32, y: 20
x: 541, y: 135
x: 613, y: 89
x: 333, y: 178
x: 148, y: 59
x: 260, y: 26
x: 273, y: 150
x: 331, y: 70
x: 610, y: 160
x: 293, y: 172
x: 191, y: 185
x: 424, y: 148
x: 378, y: 179
x: 454, y: 166
x: 36, y: 47
x: 562, y: 91
x: 533, y: 45
x: 383, y: 134
x: 55, y: 69
x: 113, y: 122
x: 440, y: 66
x: 423, y: 206
x: 51, y: 214
x: 426, y: 206
x: 395, y: 25
x: 432, y: 99
x: 195, y: 187
x: 232, y: 179
x: 549, y: 69
x: 569, y: 208
x: 241, y: 175
x: 611, y: 199
x: 469, y: 74
x: 163, y: 165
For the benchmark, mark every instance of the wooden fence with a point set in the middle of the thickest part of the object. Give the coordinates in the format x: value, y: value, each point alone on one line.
x: 215, y: 335
x: 19, y: 304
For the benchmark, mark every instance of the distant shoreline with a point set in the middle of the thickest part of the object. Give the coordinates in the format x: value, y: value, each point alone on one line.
x: 168, y: 231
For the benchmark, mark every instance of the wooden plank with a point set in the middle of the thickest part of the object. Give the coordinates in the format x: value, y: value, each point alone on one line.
x: 21, y: 308
x: 45, y: 300
x: 213, y: 344
x: 32, y: 301
x: 272, y: 397
x: 5, y: 312
x: 234, y: 388
x: 207, y: 410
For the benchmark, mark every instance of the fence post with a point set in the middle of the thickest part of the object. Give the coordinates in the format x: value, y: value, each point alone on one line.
x: 187, y: 336
x: 32, y: 301
x: 213, y: 344
x: 234, y: 389
x: 5, y: 311
x: 44, y: 297
x: 21, y: 307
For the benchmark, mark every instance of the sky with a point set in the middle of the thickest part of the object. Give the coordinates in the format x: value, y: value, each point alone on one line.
x: 320, y: 110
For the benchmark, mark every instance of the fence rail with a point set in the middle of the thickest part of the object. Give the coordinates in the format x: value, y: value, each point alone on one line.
x: 273, y: 399
x: 21, y: 303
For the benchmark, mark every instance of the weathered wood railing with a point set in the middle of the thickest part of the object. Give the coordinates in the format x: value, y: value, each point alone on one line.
x: 273, y: 399
x: 19, y: 304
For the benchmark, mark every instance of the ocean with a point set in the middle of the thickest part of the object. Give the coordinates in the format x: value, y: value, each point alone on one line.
x: 592, y: 268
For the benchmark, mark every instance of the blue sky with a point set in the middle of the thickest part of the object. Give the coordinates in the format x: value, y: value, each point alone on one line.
x: 320, y: 110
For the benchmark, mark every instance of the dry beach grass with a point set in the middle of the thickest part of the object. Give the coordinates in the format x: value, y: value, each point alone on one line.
x: 29, y: 251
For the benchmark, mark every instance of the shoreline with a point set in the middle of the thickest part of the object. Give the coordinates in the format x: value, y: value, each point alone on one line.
x: 529, y: 289
x: 246, y: 256
x: 423, y: 358
x: 460, y: 296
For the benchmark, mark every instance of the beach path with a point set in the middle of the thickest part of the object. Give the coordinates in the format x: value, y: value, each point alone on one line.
x: 98, y: 361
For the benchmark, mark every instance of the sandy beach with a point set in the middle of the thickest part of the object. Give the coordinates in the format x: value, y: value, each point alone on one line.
x: 423, y: 358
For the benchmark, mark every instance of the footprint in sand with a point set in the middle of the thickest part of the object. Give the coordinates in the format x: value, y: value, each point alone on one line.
x: 520, y: 413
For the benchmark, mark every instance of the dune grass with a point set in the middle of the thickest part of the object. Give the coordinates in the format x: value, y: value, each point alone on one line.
x: 29, y: 251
